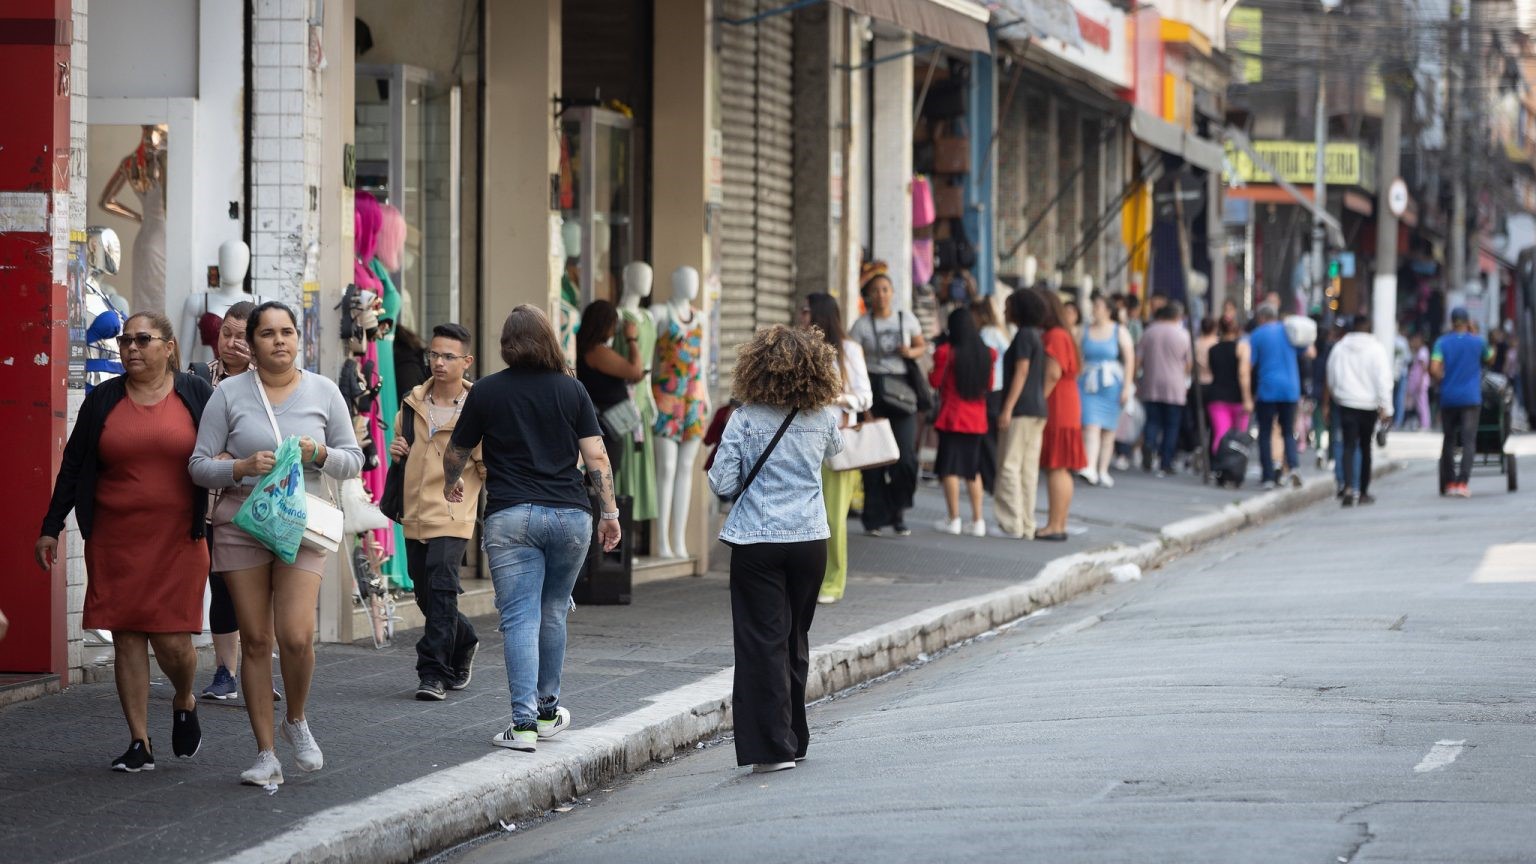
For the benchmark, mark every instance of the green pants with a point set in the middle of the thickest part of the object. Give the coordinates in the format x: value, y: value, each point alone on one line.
x: 837, y: 492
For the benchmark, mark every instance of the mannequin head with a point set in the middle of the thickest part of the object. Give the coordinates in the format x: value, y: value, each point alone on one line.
x: 1031, y: 270
x: 637, y: 281
x: 153, y: 136
x: 234, y: 261
x: 685, y: 285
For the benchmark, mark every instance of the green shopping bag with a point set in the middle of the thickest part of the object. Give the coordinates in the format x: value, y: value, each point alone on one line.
x: 277, y: 511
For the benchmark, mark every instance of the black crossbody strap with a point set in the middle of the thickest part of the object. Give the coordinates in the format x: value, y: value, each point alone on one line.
x: 752, y: 475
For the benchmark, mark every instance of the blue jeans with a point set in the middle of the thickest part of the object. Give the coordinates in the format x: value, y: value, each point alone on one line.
x: 1349, y: 478
x: 1162, y: 432
x: 1268, y: 413
x: 535, y: 554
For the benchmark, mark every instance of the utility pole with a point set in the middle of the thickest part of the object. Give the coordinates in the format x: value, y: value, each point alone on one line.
x: 1320, y: 173
x: 1455, y: 277
x: 1384, y: 287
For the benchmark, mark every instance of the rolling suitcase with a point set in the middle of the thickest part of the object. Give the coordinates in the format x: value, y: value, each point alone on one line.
x: 1232, y: 454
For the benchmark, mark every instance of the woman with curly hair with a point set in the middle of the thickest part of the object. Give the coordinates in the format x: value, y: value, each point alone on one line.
x: 769, y: 461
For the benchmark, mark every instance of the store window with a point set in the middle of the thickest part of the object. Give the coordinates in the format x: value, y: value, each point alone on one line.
x: 408, y: 146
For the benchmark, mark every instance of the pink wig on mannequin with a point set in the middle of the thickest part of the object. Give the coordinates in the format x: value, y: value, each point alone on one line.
x: 366, y: 240
x: 391, y: 237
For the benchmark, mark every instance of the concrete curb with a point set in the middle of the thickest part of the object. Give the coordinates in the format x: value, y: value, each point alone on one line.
x: 436, y: 811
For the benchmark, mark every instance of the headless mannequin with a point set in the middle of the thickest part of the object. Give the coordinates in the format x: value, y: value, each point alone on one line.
x: 234, y: 260
x: 675, y: 459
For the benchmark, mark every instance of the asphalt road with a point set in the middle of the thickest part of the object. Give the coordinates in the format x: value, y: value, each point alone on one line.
x: 1341, y: 686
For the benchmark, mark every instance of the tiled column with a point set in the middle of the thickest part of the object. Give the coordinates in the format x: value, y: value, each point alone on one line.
x: 285, y: 153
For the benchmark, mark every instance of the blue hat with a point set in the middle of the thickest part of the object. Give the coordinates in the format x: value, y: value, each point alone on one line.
x: 1460, y: 314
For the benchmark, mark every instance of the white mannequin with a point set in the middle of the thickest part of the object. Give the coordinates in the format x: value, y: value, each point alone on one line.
x: 1031, y: 271
x: 234, y: 261
x: 675, y: 459
x: 638, y: 280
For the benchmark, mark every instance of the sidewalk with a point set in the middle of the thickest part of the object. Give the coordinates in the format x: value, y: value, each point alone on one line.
x: 58, y: 801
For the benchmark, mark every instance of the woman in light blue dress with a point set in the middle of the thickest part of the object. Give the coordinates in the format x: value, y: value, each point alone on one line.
x: 1109, y: 361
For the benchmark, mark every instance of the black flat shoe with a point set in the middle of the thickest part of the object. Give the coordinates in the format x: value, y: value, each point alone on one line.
x: 186, y: 734
x: 1057, y: 537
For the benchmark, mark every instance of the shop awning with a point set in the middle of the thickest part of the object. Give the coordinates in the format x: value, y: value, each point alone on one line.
x: 1039, y: 19
x: 1170, y: 139
x: 957, y: 23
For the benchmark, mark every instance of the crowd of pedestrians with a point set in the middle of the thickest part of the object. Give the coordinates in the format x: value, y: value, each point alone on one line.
x: 1039, y: 396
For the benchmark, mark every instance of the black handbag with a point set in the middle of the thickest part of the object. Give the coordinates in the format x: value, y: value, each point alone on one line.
x: 919, y: 384
x: 392, y: 499
x: 895, y: 395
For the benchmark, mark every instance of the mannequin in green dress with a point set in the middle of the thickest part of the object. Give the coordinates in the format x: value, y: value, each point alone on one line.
x: 394, y: 568
x: 637, y: 473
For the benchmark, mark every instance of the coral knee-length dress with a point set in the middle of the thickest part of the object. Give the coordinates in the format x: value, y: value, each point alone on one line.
x: 144, y: 571
x: 1062, y: 446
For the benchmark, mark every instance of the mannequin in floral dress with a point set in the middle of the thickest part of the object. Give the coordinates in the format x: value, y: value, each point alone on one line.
x: 682, y: 404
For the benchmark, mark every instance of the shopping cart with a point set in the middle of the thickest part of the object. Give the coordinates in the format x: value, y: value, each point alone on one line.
x: 1494, y: 419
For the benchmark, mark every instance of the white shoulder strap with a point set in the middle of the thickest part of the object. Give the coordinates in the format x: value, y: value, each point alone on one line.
x: 267, y: 404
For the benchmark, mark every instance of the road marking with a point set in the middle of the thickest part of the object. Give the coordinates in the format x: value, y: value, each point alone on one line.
x: 1439, y: 756
x: 1507, y: 562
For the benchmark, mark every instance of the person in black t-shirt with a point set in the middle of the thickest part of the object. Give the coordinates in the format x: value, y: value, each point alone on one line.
x: 1021, y: 421
x: 532, y: 421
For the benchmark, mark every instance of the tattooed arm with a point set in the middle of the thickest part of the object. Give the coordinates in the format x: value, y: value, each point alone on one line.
x: 454, y: 461
x: 595, y: 456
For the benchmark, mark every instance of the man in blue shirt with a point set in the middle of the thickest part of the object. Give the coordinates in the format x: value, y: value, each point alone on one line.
x: 1279, y: 388
x: 1457, y: 364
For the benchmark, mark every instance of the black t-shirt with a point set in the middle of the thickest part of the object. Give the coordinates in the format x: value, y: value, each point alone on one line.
x: 531, y: 423
x: 1027, y: 345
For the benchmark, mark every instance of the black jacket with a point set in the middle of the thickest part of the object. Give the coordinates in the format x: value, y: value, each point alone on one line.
x: 75, y: 487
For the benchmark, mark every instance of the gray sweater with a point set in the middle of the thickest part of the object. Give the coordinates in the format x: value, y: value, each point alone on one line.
x: 235, y: 422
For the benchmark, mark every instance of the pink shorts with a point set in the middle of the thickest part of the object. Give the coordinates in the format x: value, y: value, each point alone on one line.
x: 233, y: 549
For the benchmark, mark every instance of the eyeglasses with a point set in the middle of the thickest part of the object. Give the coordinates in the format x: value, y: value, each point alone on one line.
x: 433, y: 357
x: 140, y: 339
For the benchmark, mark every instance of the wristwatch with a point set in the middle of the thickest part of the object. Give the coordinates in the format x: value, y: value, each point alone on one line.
x: 614, y: 515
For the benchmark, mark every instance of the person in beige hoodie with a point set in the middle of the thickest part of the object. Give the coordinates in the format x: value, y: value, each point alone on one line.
x: 436, y: 530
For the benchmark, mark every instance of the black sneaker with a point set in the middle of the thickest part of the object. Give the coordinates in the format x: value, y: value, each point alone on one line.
x: 465, y: 670
x: 1366, y: 498
x: 186, y: 734
x: 431, y: 690
x: 138, y: 758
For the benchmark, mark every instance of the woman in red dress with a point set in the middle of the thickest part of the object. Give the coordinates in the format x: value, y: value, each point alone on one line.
x: 1061, y: 453
x: 124, y: 473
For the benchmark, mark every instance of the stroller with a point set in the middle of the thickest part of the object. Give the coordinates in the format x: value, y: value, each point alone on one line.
x: 1494, y: 419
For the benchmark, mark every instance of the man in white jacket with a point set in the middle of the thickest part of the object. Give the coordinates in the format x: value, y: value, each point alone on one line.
x: 1360, y: 389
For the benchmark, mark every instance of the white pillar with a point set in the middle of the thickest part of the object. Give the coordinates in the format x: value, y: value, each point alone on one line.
x: 891, y: 153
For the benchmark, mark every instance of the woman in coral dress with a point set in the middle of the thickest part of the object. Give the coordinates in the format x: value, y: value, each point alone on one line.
x: 1061, y: 453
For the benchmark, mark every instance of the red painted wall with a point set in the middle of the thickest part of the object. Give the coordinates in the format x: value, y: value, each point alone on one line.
x: 34, y: 63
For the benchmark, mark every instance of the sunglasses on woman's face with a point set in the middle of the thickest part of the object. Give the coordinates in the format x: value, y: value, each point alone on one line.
x: 142, y: 340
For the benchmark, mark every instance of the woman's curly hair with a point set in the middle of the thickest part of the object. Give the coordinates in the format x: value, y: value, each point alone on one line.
x: 787, y: 368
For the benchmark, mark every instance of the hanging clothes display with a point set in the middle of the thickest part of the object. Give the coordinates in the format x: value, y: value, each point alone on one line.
x: 636, y: 476
x: 366, y: 272
x: 395, y: 568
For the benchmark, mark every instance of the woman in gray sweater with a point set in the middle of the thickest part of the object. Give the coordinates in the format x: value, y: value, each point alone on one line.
x: 235, y: 448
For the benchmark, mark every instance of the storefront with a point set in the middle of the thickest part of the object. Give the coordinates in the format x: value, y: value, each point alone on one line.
x: 1062, y: 173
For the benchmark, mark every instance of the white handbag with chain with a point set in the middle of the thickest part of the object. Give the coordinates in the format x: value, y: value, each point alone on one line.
x: 324, y: 522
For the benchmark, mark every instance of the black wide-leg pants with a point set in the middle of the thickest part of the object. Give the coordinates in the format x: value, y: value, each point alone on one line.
x: 773, y: 599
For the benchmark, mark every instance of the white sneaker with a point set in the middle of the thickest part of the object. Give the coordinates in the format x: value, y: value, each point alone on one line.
x: 556, y: 724
x: 266, y: 772
x: 1106, y: 481
x: 1089, y: 477
x: 978, y: 528
x: 947, y: 526
x: 770, y: 767
x: 305, y: 751
x: 513, y: 738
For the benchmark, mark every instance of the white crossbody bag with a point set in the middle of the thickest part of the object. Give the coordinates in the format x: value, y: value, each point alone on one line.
x: 324, y: 523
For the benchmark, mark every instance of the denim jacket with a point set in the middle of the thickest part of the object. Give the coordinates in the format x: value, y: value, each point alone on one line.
x: 784, y: 504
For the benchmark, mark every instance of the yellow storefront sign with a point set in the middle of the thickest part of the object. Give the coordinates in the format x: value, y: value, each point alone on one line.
x: 1345, y: 164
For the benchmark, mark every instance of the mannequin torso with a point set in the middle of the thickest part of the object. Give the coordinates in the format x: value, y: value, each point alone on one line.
x: 204, y: 311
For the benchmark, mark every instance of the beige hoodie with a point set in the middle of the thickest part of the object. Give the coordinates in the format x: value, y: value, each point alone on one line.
x: 427, y: 513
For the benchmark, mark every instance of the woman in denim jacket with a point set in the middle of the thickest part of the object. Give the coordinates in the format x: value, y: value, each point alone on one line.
x: 777, y: 531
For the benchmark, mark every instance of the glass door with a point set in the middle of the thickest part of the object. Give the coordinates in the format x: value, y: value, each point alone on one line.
x: 599, y: 194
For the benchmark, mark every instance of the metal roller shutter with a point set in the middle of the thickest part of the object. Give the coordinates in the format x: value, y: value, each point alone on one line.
x: 757, y: 220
